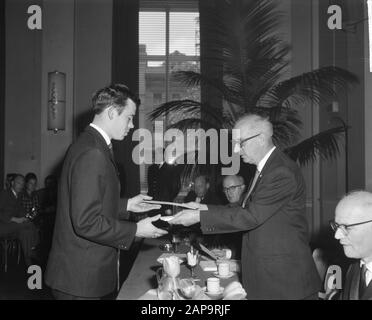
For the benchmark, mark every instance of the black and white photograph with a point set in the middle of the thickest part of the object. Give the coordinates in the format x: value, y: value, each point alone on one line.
x: 189, y: 150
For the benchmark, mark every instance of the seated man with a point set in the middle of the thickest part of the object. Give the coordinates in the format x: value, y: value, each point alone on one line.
x: 13, y: 219
x: 202, y: 192
x: 353, y: 228
x: 29, y: 198
x: 233, y: 188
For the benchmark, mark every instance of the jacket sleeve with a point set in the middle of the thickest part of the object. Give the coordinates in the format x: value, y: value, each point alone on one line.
x: 87, y: 187
x: 275, y: 190
x: 123, y: 213
x: 5, y: 214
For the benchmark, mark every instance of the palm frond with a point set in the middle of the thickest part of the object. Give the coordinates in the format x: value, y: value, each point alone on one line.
x: 323, y: 144
x: 188, y: 108
x: 316, y: 86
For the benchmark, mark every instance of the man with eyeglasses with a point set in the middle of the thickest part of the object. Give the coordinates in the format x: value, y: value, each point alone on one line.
x: 353, y: 229
x: 233, y: 188
x: 275, y: 257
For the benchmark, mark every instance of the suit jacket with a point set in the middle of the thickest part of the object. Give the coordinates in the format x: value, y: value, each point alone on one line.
x: 10, y: 206
x: 351, y: 285
x: 88, y: 228
x: 276, y: 256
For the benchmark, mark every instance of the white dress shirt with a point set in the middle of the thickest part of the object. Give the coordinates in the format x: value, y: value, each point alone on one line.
x: 102, y: 132
x: 263, y: 161
x: 368, y: 272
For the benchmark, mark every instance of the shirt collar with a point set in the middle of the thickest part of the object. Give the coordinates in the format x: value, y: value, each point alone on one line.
x: 263, y: 161
x: 102, y: 132
x: 368, y: 265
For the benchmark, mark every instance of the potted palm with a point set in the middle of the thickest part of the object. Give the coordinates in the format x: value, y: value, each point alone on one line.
x: 252, y: 59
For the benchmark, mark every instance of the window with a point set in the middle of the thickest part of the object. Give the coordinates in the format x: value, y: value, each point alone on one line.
x: 168, y: 42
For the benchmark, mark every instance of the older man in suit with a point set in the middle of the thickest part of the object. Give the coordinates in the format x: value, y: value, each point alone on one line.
x: 276, y: 256
x: 353, y: 228
x: 90, y: 222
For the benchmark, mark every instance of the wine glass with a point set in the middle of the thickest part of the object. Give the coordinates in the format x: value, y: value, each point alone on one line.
x: 192, y: 260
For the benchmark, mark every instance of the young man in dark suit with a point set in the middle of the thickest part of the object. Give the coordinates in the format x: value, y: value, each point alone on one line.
x: 276, y: 257
x: 353, y: 228
x: 90, y: 222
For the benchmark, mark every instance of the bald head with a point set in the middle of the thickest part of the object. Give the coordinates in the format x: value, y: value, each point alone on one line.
x: 355, y: 208
x: 255, y: 134
x: 357, y: 204
x: 255, y: 123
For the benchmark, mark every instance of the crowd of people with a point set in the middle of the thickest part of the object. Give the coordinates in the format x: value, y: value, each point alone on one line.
x: 27, y: 214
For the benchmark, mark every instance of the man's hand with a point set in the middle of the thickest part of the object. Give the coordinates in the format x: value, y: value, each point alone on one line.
x: 137, y: 204
x: 145, y: 228
x: 186, y: 217
x: 18, y: 220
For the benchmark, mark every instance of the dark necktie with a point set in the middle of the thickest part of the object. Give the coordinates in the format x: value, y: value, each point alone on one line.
x: 111, y: 150
x: 257, y: 174
x: 362, y: 281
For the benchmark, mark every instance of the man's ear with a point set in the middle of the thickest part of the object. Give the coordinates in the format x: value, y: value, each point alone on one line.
x: 111, y: 112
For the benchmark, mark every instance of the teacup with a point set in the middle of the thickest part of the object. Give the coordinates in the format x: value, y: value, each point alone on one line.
x: 223, y: 269
x: 213, y: 285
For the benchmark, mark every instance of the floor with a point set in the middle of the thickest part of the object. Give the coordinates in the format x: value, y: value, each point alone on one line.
x: 13, y: 283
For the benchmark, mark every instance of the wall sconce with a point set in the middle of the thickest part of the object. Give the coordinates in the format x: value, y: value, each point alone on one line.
x: 56, y: 101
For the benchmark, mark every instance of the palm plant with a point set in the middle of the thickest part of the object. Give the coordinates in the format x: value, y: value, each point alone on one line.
x: 253, y: 59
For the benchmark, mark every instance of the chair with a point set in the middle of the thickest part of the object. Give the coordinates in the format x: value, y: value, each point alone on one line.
x: 9, y: 244
x: 325, y: 275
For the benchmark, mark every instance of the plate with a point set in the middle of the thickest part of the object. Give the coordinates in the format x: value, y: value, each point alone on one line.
x: 223, y: 277
x: 213, y: 295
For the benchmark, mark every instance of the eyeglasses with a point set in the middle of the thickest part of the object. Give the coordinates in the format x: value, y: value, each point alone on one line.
x: 344, y: 227
x: 241, y: 142
x: 232, y: 188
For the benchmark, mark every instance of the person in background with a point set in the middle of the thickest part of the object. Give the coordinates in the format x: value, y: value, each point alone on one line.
x: 353, y: 229
x: 233, y: 188
x: 202, y: 192
x: 8, y: 180
x: 164, y: 181
x: 48, y: 196
x: 13, y: 220
x: 29, y: 198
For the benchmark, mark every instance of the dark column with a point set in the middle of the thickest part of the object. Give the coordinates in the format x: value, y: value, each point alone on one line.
x: 125, y: 61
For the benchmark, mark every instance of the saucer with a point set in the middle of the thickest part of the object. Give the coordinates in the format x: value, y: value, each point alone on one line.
x: 224, y: 277
x: 214, y: 295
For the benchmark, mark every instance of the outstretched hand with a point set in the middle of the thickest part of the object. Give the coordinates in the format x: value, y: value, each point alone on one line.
x: 145, y: 228
x: 138, y: 204
x: 186, y: 217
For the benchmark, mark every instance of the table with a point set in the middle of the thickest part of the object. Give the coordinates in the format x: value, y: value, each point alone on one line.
x: 142, y: 275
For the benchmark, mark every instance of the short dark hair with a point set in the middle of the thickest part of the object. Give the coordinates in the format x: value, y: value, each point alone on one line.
x: 30, y: 176
x: 115, y: 95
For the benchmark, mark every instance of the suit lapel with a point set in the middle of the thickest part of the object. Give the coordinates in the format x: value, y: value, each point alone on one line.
x: 354, y: 282
x: 262, y: 173
x: 368, y: 293
x: 102, y: 145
